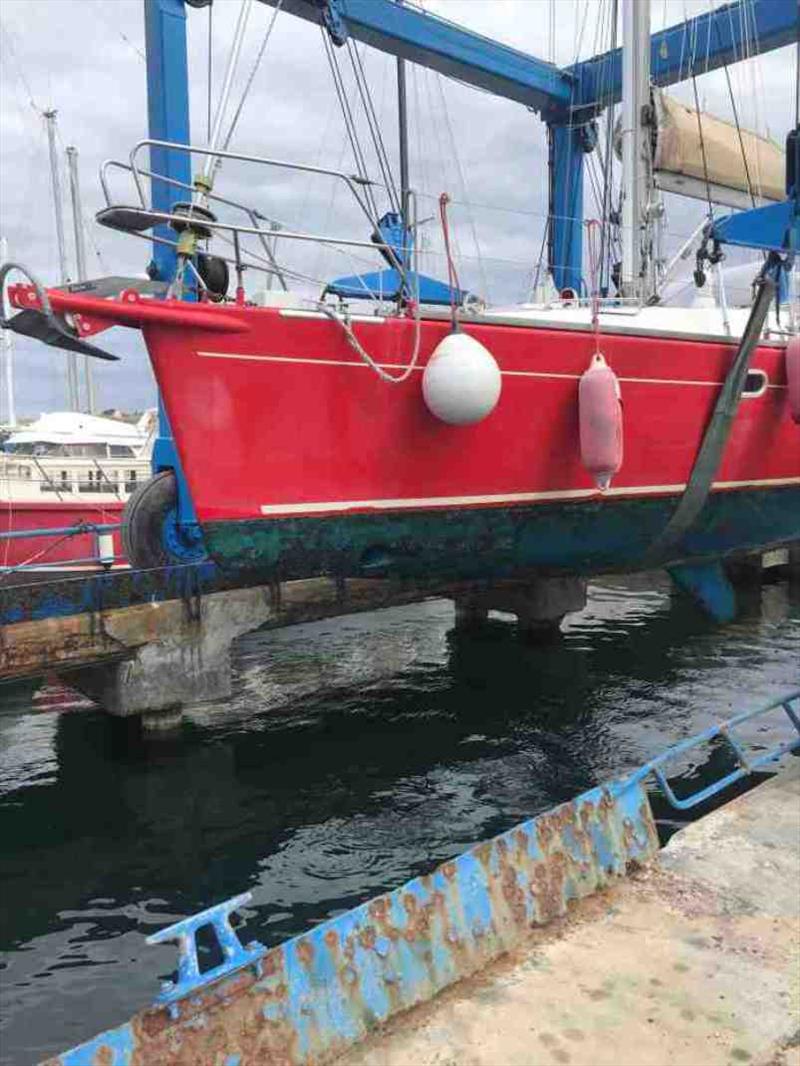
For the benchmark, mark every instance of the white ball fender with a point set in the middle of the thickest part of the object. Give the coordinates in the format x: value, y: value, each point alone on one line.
x: 461, y: 383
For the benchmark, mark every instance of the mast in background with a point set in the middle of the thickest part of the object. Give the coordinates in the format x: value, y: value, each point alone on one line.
x: 80, y: 257
x: 7, y: 348
x: 635, y: 144
x: 72, y: 362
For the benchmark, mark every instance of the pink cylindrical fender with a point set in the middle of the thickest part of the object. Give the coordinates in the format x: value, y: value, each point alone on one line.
x: 600, y: 415
x: 793, y: 377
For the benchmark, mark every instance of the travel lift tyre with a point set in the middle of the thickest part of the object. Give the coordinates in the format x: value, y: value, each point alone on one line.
x: 151, y: 534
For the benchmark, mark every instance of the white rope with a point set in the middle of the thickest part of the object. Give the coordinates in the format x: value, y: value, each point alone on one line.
x: 357, y: 347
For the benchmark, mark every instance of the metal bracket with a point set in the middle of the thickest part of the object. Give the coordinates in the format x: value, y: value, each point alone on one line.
x: 190, y: 979
x: 333, y: 21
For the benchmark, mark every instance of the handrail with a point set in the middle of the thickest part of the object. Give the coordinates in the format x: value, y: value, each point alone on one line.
x: 351, y: 181
x: 305, y: 168
x: 725, y: 730
x: 52, y: 531
x: 253, y: 214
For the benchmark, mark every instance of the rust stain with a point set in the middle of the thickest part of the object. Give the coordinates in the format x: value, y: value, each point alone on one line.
x: 305, y: 952
x: 104, y: 1056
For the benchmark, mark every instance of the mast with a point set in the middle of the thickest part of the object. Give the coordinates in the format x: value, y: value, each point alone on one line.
x: 7, y: 348
x: 402, y: 122
x: 80, y: 257
x: 635, y: 144
x: 72, y: 368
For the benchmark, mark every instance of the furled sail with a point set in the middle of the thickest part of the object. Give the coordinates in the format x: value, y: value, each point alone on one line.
x: 678, y: 157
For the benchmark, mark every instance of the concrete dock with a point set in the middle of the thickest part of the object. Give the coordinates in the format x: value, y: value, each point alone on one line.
x: 692, y: 961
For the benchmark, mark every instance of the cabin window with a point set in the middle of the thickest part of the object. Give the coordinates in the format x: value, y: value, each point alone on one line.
x: 91, y: 483
x: 88, y: 451
x: 130, y: 481
x: 58, y: 482
x: 121, y: 451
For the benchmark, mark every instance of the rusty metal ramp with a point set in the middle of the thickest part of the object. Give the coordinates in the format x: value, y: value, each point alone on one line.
x: 321, y: 993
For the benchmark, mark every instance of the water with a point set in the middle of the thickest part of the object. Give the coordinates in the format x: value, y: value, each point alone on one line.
x: 356, y: 753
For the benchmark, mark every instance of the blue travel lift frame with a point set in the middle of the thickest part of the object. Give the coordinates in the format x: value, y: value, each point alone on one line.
x: 567, y: 99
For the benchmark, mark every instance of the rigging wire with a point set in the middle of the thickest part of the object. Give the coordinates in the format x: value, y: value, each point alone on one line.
x: 209, y: 72
x: 461, y: 179
x: 99, y: 10
x: 20, y: 70
x: 702, y: 147
x: 349, y: 122
x: 251, y: 78
x: 365, y: 95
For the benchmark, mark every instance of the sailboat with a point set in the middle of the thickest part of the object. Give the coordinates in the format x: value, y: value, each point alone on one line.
x: 428, y: 435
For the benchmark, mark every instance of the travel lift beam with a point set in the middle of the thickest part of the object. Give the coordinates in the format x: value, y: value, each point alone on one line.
x: 561, y: 97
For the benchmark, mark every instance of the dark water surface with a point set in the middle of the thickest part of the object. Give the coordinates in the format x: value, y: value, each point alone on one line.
x: 355, y: 754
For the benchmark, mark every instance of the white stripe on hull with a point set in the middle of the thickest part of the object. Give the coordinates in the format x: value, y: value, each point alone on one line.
x: 433, y: 502
x: 304, y: 360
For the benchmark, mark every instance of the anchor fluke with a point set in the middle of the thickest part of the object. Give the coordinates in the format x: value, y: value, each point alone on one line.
x: 42, y: 324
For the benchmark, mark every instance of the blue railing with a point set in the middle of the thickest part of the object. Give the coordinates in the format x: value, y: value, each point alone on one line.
x: 39, y: 561
x: 747, y: 763
x: 62, y: 531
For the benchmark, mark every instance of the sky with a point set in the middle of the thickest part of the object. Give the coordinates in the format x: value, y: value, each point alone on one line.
x: 85, y: 58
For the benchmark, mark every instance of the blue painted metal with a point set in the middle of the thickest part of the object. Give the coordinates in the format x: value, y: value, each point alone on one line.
x: 168, y: 120
x: 83, y: 527
x: 322, y: 991
x: 318, y: 994
x: 167, y: 113
x: 389, y: 284
x: 711, y: 40
x: 708, y: 583
x: 218, y: 917
x: 775, y: 228
x: 104, y: 591
x: 565, y: 232
x: 407, y: 32
x: 746, y: 763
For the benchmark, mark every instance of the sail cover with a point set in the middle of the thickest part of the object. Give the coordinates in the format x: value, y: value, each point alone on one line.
x: 678, y: 157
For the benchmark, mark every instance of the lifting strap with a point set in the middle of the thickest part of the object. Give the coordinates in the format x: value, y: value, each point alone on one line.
x: 718, y: 430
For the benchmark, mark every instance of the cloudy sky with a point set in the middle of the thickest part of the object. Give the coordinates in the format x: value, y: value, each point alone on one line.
x: 86, y: 58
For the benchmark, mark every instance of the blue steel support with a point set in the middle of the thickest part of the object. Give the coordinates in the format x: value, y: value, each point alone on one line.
x: 168, y: 120
x: 565, y: 219
x: 711, y: 40
x: 407, y: 32
x: 707, y: 42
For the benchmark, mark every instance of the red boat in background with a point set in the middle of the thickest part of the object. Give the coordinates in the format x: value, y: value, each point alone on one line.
x: 69, y: 469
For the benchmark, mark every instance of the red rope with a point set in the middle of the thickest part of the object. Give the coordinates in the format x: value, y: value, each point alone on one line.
x: 593, y: 227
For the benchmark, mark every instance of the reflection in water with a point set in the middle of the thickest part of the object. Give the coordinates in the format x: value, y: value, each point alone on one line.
x: 356, y: 753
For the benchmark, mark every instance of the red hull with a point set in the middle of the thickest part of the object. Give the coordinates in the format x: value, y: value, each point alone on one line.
x: 276, y: 418
x: 286, y: 420
x: 18, y: 517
